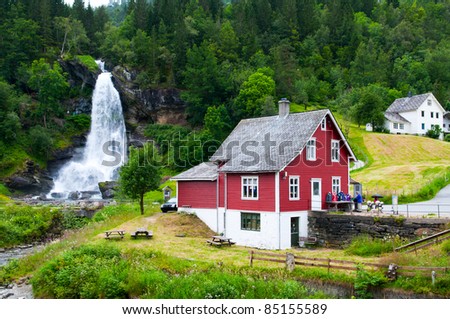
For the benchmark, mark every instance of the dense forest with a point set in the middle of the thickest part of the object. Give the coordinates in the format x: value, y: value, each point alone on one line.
x: 232, y: 59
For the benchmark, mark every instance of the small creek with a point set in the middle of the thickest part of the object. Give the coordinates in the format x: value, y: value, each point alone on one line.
x: 20, y: 289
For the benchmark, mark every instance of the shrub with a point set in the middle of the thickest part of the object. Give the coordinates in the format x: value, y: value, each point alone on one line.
x: 366, y: 281
x: 19, y: 225
x: 86, y: 272
x: 446, y: 247
x: 366, y: 246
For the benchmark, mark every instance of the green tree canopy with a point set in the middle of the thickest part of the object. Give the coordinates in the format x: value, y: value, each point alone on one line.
x: 141, y: 173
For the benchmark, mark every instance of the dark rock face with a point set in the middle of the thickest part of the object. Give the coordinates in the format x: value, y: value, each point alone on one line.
x: 163, y: 106
x: 31, y: 180
x: 108, y: 189
x: 79, y: 74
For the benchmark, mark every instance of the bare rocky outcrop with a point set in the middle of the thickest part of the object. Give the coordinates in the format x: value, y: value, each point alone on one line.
x: 162, y: 105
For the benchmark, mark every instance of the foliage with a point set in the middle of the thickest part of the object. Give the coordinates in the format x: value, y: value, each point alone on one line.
x: 446, y: 247
x: 253, y: 94
x: 88, y: 272
x: 78, y: 123
x: 26, y: 224
x: 51, y: 86
x: 40, y: 142
x: 102, y: 271
x: 366, y: 246
x: 365, y: 281
x: 141, y: 173
x: 88, y: 61
x: 435, y: 132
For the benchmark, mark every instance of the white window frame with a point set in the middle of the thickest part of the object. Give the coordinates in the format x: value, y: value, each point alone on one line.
x: 429, y: 101
x: 294, y: 187
x: 323, y: 124
x: 395, y: 126
x: 249, y: 187
x: 437, y: 115
x: 311, y: 149
x: 432, y: 114
x: 335, y: 147
x: 423, y: 113
x: 336, y: 184
x: 402, y: 126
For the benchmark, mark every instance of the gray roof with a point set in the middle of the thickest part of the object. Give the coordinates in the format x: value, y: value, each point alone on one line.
x: 268, y: 144
x: 407, y: 104
x: 395, y: 117
x: 202, y: 172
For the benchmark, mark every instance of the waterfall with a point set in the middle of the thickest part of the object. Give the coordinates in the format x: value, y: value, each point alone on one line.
x: 105, y: 149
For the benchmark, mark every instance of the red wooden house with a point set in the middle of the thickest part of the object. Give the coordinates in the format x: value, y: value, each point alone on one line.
x: 268, y: 173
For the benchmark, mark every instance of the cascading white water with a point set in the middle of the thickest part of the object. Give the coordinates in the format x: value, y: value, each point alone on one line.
x: 105, y: 148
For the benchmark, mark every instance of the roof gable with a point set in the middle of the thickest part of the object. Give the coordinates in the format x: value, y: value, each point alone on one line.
x: 267, y: 144
x: 407, y: 104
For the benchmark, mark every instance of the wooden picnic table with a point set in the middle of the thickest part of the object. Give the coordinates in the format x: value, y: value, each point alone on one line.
x: 114, y: 234
x: 142, y: 232
x: 220, y: 241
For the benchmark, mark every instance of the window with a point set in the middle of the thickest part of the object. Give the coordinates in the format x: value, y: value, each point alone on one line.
x: 323, y: 125
x: 423, y: 126
x: 395, y: 125
x: 336, y: 184
x: 249, y: 187
x: 437, y: 115
x: 294, y: 186
x: 423, y: 113
x: 335, y: 150
x: 402, y: 126
x: 429, y: 102
x: 251, y: 221
x: 431, y: 113
x: 311, y: 150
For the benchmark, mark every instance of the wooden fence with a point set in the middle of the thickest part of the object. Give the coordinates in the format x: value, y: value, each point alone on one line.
x: 425, y: 242
x: 292, y: 261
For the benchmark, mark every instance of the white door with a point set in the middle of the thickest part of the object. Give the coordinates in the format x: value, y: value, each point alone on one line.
x: 316, y: 194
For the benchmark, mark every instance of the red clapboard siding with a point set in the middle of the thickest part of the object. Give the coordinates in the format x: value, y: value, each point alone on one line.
x: 322, y: 168
x: 197, y: 194
x: 266, y: 197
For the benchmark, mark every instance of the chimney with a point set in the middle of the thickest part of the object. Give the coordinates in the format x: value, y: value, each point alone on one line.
x: 283, y: 107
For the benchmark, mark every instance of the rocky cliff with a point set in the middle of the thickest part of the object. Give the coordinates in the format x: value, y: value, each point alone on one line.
x: 163, y: 105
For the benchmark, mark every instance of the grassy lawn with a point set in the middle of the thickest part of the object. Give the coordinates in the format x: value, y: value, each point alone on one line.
x: 399, y: 164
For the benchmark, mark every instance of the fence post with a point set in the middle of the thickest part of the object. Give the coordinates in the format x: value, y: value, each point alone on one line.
x: 290, y: 262
x: 251, y: 258
x: 433, y: 277
x: 439, y: 212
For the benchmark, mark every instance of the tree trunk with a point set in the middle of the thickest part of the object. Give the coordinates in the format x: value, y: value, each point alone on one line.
x: 141, y: 204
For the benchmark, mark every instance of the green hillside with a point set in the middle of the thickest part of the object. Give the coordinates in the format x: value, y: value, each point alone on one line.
x: 400, y: 164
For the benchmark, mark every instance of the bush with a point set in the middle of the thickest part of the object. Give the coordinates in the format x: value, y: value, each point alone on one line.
x: 86, y: 272
x: 366, y: 281
x: 366, y: 246
x: 24, y: 225
x: 446, y: 247
x: 40, y: 142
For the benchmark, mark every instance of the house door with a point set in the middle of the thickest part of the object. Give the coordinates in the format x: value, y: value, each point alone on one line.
x: 294, y: 231
x: 316, y: 194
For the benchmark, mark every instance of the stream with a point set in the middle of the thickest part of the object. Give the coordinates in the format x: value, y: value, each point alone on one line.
x: 20, y: 289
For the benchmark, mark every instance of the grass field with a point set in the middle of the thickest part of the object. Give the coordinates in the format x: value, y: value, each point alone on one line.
x: 399, y: 164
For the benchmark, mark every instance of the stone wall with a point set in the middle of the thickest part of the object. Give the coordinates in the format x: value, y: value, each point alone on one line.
x: 337, y: 230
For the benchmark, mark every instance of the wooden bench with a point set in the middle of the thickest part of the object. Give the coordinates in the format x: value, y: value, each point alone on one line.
x: 114, y: 234
x: 307, y: 241
x: 141, y: 232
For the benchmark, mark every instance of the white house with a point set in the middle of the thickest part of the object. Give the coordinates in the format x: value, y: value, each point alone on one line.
x: 414, y: 115
x: 446, y: 124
